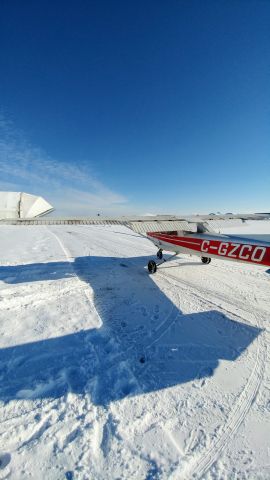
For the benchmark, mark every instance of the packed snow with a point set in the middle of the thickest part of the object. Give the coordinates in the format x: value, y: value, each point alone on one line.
x: 108, y: 372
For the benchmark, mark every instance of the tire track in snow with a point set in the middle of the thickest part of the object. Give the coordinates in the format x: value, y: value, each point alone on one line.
x: 103, y: 416
x: 164, y: 325
x: 206, y: 293
x: 29, y: 299
x: 87, y: 290
x: 160, y: 330
x: 199, y: 466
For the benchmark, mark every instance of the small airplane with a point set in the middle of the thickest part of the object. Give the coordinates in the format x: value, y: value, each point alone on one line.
x: 208, y: 244
x: 192, y: 235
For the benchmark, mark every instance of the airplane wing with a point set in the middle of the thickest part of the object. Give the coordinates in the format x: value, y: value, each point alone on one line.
x: 143, y: 224
x: 193, y: 235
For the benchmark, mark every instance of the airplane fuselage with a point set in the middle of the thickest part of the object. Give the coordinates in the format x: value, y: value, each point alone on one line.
x: 226, y: 247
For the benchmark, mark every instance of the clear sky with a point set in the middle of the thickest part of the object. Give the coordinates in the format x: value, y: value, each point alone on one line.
x: 136, y: 106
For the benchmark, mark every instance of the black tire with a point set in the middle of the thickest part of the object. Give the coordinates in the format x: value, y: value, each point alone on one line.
x: 152, y: 266
x: 159, y: 254
x: 206, y: 260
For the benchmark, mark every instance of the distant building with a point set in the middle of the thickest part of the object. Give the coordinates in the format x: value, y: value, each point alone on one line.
x: 22, y: 205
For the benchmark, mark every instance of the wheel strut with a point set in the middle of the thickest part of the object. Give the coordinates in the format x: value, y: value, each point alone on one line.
x: 152, y: 265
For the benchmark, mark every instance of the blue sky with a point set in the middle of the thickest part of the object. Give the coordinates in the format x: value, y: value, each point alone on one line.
x: 136, y: 107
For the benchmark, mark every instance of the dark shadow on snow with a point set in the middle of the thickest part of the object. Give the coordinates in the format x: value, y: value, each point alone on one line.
x: 145, y: 344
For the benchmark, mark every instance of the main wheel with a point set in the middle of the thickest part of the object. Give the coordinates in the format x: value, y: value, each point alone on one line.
x: 160, y: 254
x: 205, y: 260
x: 152, y: 266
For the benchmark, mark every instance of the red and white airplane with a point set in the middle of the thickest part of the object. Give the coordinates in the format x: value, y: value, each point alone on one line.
x: 208, y: 244
x: 192, y: 235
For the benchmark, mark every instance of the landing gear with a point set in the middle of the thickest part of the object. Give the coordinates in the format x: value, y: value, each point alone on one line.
x: 160, y: 254
x: 206, y: 260
x: 152, y: 266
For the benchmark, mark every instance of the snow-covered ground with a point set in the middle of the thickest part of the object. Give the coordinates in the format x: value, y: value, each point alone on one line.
x: 109, y: 373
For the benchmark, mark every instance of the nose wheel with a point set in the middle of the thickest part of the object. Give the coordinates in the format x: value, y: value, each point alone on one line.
x: 152, y: 266
x: 159, y: 254
x: 206, y: 260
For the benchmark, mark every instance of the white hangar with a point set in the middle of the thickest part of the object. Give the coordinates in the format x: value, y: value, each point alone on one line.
x: 22, y: 205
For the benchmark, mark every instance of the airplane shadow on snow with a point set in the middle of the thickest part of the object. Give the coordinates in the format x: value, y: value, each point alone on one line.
x: 145, y: 343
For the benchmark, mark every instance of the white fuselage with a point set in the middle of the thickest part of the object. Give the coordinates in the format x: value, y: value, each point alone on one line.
x: 213, y: 245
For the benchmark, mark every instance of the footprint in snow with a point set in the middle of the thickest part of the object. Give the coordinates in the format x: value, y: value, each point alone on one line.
x: 144, y: 311
x: 155, y: 315
x: 69, y: 475
x: 4, y: 460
